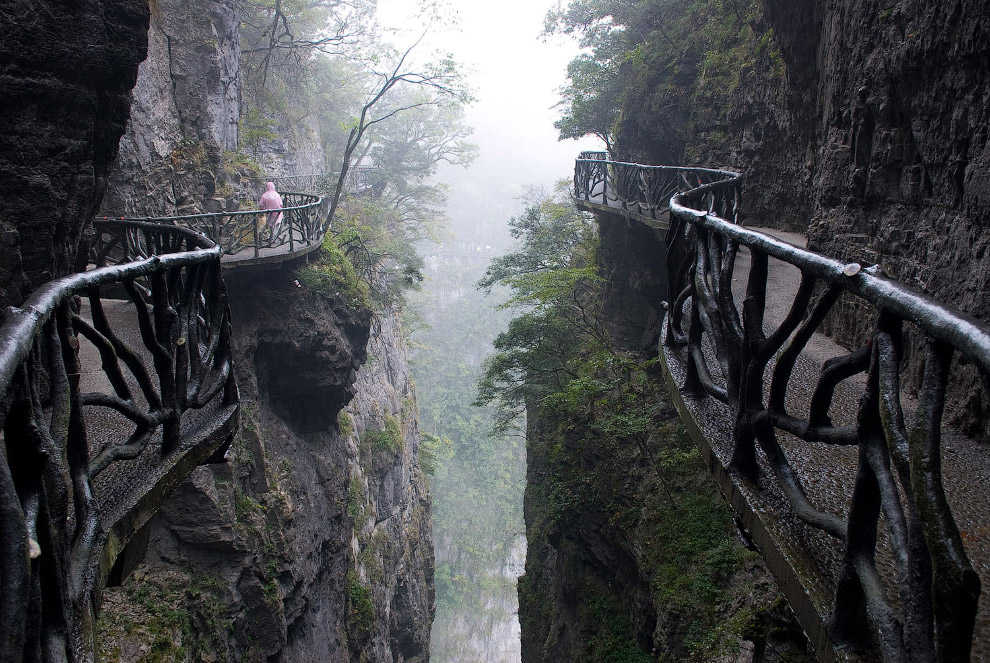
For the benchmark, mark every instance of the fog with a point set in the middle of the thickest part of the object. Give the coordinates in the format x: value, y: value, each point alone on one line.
x: 515, y: 75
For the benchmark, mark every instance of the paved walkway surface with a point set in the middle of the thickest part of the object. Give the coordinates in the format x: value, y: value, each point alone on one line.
x: 827, y: 472
x: 128, y: 491
x: 269, y: 254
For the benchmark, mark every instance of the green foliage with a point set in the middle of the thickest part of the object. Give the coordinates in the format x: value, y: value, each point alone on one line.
x: 556, y: 287
x: 617, y: 464
x: 332, y: 275
x: 188, y: 155
x: 355, y: 497
x: 433, y: 451
x: 179, y: 617
x: 361, y: 611
x: 614, y: 639
x: 660, y: 70
x: 255, y: 129
x: 388, y: 439
x: 478, y: 477
x: 345, y: 424
x: 381, y: 247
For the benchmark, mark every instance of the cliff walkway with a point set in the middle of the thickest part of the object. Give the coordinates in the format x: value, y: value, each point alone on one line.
x: 248, y: 238
x: 868, y: 507
x: 117, y: 382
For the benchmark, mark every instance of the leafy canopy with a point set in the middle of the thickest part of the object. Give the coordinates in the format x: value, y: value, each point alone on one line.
x: 556, y: 291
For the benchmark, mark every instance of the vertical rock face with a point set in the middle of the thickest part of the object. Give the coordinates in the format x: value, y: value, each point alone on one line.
x: 632, y: 554
x: 634, y: 256
x: 863, y: 123
x: 65, y: 88
x: 900, y: 146
x: 314, y: 542
x: 390, y: 503
x: 185, y: 113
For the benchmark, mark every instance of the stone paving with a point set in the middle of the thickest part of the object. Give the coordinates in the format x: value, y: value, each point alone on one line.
x: 129, y: 491
x: 827, y: 472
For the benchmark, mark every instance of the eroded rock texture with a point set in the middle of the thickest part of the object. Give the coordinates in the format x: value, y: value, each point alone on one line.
x: 66, y: 73
x: 863, y: 123
x: 185, y: 115
x: 900, y: 149
x: 314, y: 541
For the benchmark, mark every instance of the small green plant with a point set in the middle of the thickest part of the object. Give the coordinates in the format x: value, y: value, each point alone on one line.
x: 361, y: 611
x: 433, y: 451
x: 344, y: 423
x: 333, y: 276
x: 388, y: 439
x: 355, y: 497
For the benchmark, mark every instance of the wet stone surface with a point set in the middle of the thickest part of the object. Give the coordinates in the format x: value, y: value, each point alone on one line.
x: 827, y: 472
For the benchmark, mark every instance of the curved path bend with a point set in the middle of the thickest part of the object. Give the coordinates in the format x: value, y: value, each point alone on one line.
x: 786, y: 459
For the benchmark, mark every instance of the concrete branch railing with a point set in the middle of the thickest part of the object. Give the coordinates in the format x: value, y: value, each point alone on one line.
x: 358, y: 179
x: 105, y: 407
x: 248, y: 234
x: 925, y: 607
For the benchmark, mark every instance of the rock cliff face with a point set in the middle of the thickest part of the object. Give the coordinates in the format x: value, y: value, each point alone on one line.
x: 901, y: 149
x: 632, y: 554
x: 864, y: 124
x: 313, y: 543
x: 184, y: 122
x: 66, y: 73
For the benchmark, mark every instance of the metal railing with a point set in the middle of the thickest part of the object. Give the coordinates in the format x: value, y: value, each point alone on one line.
x: 358, y: 178
x: 925, y: 610
x: 97, y: 411
x: 303, y: 224
x: 642, y: 190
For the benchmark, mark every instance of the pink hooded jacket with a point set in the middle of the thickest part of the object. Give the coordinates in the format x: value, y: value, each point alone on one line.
x: 271, y: 200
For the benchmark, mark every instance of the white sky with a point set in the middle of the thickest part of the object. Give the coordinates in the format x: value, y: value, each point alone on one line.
x: 515, y: 76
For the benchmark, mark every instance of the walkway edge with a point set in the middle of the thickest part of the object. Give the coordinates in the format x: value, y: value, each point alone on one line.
x: 735, y: 491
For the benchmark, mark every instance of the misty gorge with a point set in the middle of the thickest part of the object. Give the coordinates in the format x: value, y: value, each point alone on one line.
x: 621, y: 331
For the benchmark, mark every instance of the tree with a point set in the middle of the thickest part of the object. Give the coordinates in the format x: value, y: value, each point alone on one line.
x: 556, y: 289
x: 435, y: 84
x: 281, y: 35
x: 657, y: 75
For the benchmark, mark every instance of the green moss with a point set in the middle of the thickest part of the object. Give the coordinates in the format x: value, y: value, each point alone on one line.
x: 239, y: 162
x: 355, y: 498
x: 177, y: 617
x: 345, y: 424
x: 389, y: 439
x: 333, y: 276
x: 188, y: 155
x: 614, y: 638
x: 361, y: 611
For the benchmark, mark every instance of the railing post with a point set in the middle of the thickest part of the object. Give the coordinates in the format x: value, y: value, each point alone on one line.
x: 291, y: 242
x: 257, y: 235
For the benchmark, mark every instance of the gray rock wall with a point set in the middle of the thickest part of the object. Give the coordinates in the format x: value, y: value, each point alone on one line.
x: 314, y: 541
x: 185, y: 116
x: 66, y: 73
x: 894, y: 101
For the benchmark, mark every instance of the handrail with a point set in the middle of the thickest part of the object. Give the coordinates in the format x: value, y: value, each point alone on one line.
x: 727, y: 350
x: 63, y: 493
x: 642, y: 190
x: 358, y: 178
x: 304, y: 223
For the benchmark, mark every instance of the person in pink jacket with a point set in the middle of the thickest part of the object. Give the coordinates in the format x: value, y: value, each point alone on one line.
x: 270, y: 200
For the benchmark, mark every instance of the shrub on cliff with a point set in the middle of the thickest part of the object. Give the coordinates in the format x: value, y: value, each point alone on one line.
x: 333, y: 276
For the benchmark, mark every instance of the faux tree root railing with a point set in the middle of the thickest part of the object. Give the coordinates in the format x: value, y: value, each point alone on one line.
x: 358, y: 178
x: 303, y: 225
x: 927, y: 610
x: 87, y: 449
